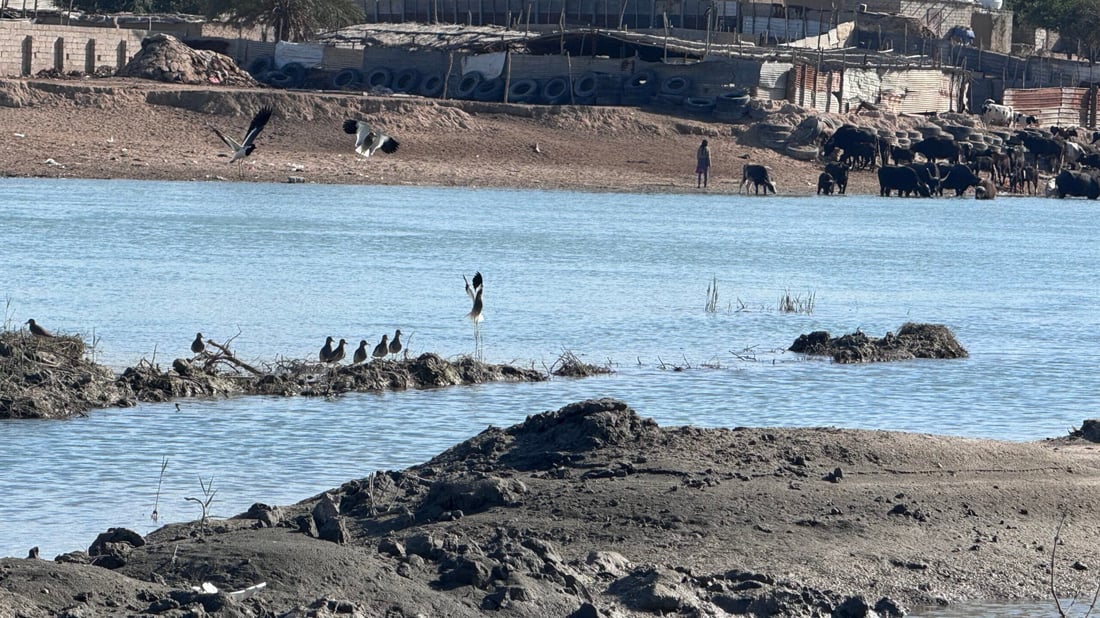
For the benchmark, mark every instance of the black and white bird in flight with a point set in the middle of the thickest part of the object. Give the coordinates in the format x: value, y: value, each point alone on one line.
x: 474, y: 292
x: 246, y: 145
x: 367, y: 140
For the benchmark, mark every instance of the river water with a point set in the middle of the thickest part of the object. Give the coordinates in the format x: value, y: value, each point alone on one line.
x: 621, y: 279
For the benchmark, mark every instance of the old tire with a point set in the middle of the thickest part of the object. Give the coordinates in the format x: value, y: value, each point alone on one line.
x: 586, y: 86
x: 406, y: 81
x: 523, y: 91
x: 555, y: 91
x: 378, y: 77
x: 467, y: 86
x: 431, y: 86
x: 347, y: 79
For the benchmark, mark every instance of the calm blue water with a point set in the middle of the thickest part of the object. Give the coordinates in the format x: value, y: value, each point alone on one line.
x: 613, y: 278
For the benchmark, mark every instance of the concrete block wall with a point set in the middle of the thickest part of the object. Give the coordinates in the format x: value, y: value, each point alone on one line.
x: 27, y: 48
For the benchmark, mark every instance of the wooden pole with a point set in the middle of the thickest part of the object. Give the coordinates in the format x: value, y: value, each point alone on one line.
x: 569, y: 66
x: 507, y: 72
x: 447, y: 75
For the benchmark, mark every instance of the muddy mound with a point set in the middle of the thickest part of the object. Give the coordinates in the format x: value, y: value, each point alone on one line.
x: 165, y: 58
x: 911, y: 341
x: 555, y: 438
x: 46, y: 377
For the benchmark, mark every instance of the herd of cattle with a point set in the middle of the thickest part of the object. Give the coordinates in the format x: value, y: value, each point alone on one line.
x: 939, y: 162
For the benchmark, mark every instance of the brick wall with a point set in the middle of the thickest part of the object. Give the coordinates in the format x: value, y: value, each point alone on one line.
x: 27, y: 48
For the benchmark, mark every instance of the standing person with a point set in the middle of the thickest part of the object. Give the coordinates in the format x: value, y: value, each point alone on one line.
x: 702, y: 165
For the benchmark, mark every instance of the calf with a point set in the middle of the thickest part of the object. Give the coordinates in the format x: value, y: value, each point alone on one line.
x: 1028, y: 120
x: 985, y: 190
x: 758, y: 175
x: 1002, y: 115
x: 1025, y: 177
x: 901, y: 156
x: 825, y: 184
x: 839, y: 172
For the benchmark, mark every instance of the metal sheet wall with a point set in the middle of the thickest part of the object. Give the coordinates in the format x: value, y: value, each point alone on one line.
x: 1052, y: 106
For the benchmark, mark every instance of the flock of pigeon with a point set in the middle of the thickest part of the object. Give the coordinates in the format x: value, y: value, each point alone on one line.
x: 367, y: 140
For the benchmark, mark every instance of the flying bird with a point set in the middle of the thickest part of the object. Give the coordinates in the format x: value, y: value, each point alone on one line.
x: 247, y: 145
x: 37, y: 330
x: 197, y: 346
x: 382, y: 349
x: 326, y: 351
x: 395, y: 344
x: 367, y: 140
x: 360, y: 352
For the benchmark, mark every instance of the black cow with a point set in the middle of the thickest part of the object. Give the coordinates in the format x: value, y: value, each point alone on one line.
x: 859, y: 156
x: 928, y: 174
x: 902, y: 179
x: 1091, y: 160
x: 901, y: 156
x: 960, y: 178
x: 848, y: 136
x: 938, y: 147
x: 825, y: 184
x: 1080, y: 184
x: 1064, y: 132
x: 758, y: 175
x: 1025, y: 177
x: 839, y: 172
x: 1041, y: 147
x: 985, y: 190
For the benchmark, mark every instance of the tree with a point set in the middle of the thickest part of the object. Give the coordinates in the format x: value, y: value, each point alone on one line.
x: 291, y: 20
x: 1078, y: 21
x: 190, y: 7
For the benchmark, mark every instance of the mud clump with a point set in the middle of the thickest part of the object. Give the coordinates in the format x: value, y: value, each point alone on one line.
x: 911, y: 341
x: 165, y: 58
x: 49, y: 377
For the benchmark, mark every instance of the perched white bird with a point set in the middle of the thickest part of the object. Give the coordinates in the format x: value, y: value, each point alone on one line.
x: 367, y: 140
x: 247, y: 145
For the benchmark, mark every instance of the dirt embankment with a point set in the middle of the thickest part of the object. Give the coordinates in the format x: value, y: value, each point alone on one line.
x: 150, y: 130
x: 591, y: 510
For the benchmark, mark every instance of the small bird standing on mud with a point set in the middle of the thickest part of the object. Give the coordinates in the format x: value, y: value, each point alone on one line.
x: 395, y: 344
x: 197, y: 346
x: 247, y: 145
x: 37, y: 330
x: 367, y: 140
x: 360, y: 352
x: 382, y: 349
x: 326, y: 350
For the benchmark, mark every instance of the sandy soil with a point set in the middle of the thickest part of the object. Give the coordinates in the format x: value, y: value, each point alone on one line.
x: 127, y: 128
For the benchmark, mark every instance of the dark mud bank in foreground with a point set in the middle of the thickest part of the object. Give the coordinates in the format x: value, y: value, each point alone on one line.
x: 592, y: 510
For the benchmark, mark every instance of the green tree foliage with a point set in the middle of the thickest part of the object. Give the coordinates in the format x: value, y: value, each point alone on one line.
x: 1078, y: 21
x: 290, y: 20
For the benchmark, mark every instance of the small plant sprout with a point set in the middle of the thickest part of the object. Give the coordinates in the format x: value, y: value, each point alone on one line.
x: 208, y: 493
x: 160, y: 482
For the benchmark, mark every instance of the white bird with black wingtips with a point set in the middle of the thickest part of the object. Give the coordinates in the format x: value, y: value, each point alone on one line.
x: 247, y: 145
x: 367, y: 140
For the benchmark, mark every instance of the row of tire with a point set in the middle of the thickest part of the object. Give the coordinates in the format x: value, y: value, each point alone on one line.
x: 641, y: 88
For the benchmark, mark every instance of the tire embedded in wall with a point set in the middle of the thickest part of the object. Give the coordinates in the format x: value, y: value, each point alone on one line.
x: 555, y: 91
x: 347, y: 79
x: 490, y: 90
x: 406, y: 81
x: 296, y: 71
x: 431, y: 86
x: 676, y: 85
x: 586, y: 86
x: 523, y: 91
x: 468, y: 85
x: 378, y: 77
x: 261, y: 65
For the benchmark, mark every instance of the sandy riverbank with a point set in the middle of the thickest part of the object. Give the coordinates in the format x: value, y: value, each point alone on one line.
x: 139, y: 129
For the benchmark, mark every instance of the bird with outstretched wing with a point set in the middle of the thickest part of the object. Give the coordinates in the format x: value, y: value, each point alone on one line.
x: 367, y: 140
